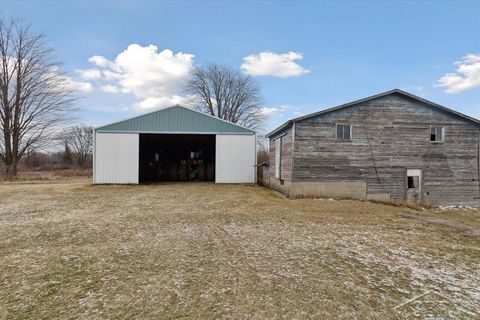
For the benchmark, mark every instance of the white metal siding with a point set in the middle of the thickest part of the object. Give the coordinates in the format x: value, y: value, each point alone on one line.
x: 235, y: 158
x: 116, y: 158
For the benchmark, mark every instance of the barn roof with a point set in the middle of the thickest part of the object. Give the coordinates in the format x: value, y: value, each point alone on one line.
x: 349, y: 104
x: 175, y: 119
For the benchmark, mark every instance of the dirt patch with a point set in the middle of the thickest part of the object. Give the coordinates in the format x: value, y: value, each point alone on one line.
x: 458, y: 227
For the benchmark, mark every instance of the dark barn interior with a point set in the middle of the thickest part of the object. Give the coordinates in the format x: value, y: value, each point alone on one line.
x: 176, y: 157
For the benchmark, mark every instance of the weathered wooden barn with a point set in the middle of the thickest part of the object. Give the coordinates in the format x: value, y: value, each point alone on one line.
x: 174, y: 144
x: 393, y: 146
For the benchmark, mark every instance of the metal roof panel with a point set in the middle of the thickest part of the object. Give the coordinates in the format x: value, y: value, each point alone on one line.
x: 176, y: 119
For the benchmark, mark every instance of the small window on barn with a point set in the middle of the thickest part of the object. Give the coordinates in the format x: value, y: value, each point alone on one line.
x: 436, y: 134
x: 344, y: 132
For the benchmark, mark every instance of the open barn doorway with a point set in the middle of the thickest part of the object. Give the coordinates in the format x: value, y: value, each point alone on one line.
x: 176, y: 157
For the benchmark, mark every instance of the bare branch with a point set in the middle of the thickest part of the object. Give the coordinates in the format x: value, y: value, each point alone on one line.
x: 79, y: 139
x: 226, y: 94
x: 35, y: 98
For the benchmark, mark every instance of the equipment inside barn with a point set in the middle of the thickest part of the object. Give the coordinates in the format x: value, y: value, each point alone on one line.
x: 175, y: 157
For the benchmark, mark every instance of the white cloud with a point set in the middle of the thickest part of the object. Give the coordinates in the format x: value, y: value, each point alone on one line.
x: 84, y: 87
x: 467, y: 75
x: 100, y: 61
x: 153, y: 76
x: 111, y: 76
x: 282, y: 111
x: 81, y: 86
x: 273, y: 64
x: 110, y: 88
x: 269, y: 110
x: 90, y: 74
x: 52, y: 74
x: 154, y: 102
x: 70, y: 84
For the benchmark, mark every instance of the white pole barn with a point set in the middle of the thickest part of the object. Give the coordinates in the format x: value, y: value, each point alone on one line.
x: 174, y: 144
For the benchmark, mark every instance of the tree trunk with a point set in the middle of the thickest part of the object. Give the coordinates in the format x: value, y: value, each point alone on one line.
x: 35, y: 97
x: 11, y: 170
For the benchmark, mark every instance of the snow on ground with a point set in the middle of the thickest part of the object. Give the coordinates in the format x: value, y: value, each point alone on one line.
x: 223, y: 251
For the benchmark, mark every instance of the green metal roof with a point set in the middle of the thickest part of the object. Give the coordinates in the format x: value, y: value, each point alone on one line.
x: 176, y: 119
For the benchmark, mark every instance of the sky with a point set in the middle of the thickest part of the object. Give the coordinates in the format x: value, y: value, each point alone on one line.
x: 129, y: 58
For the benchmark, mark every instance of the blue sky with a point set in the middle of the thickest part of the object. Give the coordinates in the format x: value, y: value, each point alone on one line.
x: 306, y: 56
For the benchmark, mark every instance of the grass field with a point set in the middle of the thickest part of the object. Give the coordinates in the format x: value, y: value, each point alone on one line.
x: 204, y: 251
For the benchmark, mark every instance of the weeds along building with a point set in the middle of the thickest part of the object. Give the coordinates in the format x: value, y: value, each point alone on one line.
x: 393, y: 146
x: 174, y: 144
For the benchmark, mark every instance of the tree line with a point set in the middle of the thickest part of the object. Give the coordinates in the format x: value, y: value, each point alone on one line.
x: 37, y: 101
x: 72, y: 148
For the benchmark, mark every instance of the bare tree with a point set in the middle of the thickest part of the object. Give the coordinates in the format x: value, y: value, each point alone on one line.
x: 79, y: 139
x: 227, y: 94
x: 35, y: 99
x: 67, y: 153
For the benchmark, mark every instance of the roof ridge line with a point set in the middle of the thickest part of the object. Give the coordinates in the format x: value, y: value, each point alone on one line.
x: 379, y: 95
x: 174, y: 106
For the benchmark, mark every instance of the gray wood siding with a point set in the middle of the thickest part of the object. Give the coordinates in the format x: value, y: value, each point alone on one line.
x: 389, y: 135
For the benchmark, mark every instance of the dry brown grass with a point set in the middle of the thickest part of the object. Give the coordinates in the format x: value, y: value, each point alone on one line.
x: 52, y: 175
x: 205, y: 251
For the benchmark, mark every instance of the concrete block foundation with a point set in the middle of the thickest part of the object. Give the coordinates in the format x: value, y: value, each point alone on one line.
x: 322, y: 189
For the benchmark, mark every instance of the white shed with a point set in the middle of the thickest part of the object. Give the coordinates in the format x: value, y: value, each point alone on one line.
x: 174, y: 144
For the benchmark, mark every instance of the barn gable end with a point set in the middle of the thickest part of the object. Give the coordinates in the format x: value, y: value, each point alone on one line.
x: 390, y: 140
x: 176, y: 119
